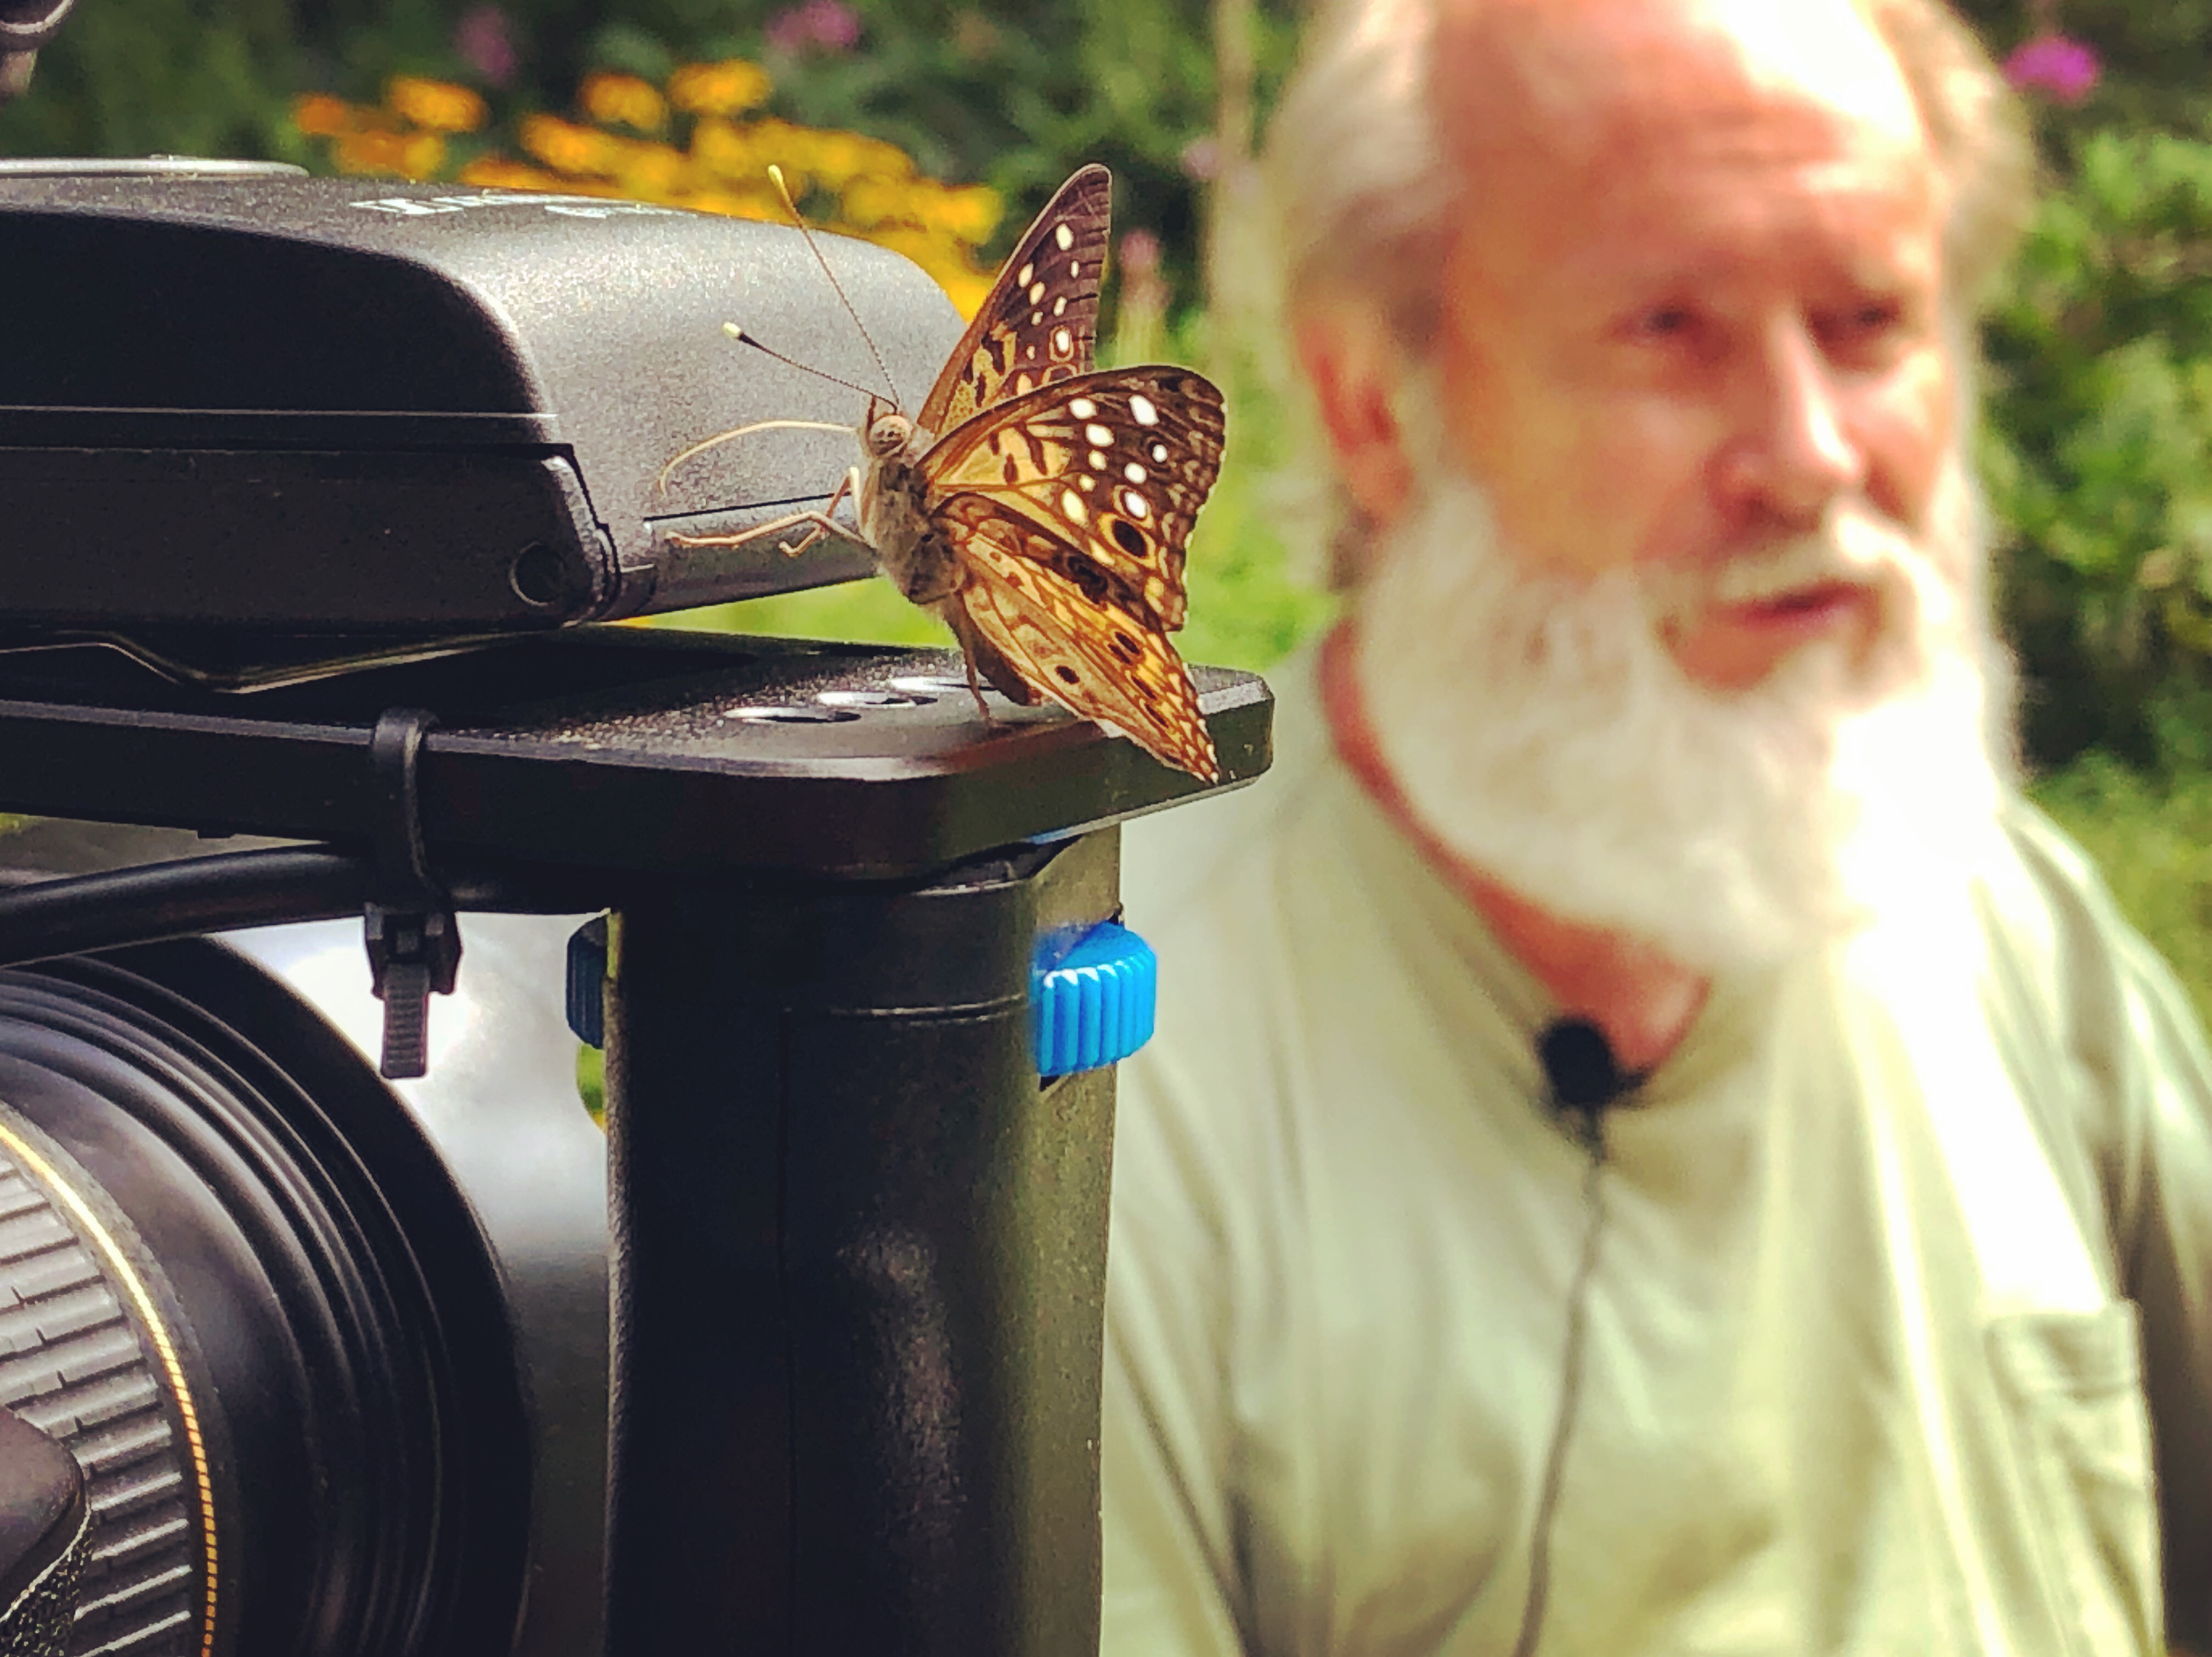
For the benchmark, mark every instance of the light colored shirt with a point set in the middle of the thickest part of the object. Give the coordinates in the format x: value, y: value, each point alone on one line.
x: 1890, y: 1241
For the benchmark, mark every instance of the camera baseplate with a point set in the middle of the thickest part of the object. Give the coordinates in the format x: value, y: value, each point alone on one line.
x: 859, y: 1246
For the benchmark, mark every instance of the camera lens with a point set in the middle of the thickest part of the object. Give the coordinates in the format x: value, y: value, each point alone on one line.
x: 240, y: 1287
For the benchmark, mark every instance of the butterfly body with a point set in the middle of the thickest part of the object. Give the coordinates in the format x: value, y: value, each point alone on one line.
x: 1043, y: 508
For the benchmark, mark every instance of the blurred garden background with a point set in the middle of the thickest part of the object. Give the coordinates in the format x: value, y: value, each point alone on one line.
x: 940, y: 126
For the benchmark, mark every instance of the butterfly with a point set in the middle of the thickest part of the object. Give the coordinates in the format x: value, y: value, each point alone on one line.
x: 1040, y: 507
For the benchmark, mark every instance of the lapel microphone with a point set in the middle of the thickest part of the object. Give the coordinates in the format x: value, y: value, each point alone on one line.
x: 1583, y: 1075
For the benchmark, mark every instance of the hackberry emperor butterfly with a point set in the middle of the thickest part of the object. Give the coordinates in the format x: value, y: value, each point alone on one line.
x: 1040, y: 508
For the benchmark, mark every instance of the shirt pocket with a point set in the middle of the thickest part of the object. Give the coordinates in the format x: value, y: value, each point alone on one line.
x: 2074, y: 1380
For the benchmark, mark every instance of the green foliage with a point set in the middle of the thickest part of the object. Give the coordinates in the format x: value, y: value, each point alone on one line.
x: 2152, y: 840
x: 1015, y: 93
x: 135, y: 77
x: 2098, y: 450
x: 2157, y: 59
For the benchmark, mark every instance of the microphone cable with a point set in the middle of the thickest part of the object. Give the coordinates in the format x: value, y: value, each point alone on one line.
x: 1584, y: 1078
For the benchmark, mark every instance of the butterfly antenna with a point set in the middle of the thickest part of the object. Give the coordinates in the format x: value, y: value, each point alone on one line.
x: 814, y: 248
x: 660, y: 481
x: 745, y: 338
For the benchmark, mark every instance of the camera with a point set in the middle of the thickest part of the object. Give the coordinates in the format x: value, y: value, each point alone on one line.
x: 322, y: 504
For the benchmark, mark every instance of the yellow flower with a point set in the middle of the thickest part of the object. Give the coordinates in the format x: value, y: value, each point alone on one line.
x: 319, y: 115
x: 971, y: 214
x: 567, y: 147
x: 874, y: 202
x: 722, y: 88
x: 410, y: 154
x: 622, y: 99
x: 652, y: 173
x: 720, y: 147
x: 439, y: 105
x: 498, y: 173
x: 836, y: 158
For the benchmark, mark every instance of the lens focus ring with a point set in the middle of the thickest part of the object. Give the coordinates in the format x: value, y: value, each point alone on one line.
x: 89, y: 1356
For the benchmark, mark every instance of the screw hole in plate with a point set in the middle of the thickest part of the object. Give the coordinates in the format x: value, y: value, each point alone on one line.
x: 874, y: 699
x: 791, y: 715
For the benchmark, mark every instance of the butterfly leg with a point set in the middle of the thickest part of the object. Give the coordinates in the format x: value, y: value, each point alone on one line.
x: 850, y: 480
x: 821, y: 524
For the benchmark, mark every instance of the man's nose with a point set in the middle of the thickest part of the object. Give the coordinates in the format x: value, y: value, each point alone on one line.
x: 1792, y: 451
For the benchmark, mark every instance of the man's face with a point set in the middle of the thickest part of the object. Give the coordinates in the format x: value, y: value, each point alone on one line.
x: 1693, y: 301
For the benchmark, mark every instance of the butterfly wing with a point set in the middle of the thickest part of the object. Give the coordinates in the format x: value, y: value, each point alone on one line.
x: 1040, y: 322
x: 1091, y: 643
x: 1112, y: 467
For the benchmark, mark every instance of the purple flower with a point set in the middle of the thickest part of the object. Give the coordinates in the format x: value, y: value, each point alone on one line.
x: 817, y: 26
x: 2056, y: 65
x: 487, y: 45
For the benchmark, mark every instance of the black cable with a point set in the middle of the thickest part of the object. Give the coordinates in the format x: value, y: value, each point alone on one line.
x: 1584, y: 1078
x: 1571, y: 1391
x: 150, y: 902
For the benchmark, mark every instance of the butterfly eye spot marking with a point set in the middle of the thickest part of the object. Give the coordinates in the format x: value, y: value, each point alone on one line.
x: 1102, y: 436
x: 1126, y: 647
x: 1133, y: 472
x: 1071, y: 504
x: 1066, y: 674
x: 1129, y: 538
x: 1064, y: 236
x: 1135, y: 505
x: 1141, y: 409
x: 1082, y: 407
x: 1159, y: 454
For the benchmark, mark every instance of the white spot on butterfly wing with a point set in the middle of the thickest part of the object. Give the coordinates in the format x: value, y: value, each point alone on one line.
x: 1071, y: 504
x: 1141, y: 409
x: 1134, y: 504
x: 1064, y: 236
x: 1133, y: 471
x: 1082, y: 407
x: 1063, y: 342
x: 1102, y: 436
x: 1021, y: 276
x: 1036, y: 293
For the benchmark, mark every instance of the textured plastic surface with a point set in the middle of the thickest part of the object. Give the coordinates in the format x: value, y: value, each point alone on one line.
x: 352, y: 405
x: 1094, y: 1005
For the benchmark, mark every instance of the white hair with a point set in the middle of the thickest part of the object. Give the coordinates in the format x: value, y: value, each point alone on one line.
x: 1361, y: 194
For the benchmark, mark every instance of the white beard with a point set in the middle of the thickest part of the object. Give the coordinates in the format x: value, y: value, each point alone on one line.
x: 1542, y: 732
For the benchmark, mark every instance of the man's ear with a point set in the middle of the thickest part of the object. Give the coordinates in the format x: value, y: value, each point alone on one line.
x: 1354, y: 367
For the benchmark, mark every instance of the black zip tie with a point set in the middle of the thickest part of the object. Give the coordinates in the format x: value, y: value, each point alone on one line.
x: 408, y: 924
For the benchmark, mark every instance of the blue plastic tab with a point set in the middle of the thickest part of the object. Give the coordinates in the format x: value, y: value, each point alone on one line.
x: 1094, y: 1005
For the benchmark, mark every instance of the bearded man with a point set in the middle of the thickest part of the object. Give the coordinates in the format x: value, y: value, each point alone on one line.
x: 1651, y: 1145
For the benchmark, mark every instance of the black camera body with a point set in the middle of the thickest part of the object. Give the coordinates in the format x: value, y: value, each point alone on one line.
x: 315, y: 497
x: 247, y: 403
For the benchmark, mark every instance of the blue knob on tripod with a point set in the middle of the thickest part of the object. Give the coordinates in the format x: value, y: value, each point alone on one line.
x: 1094, y: 1004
